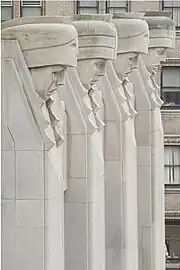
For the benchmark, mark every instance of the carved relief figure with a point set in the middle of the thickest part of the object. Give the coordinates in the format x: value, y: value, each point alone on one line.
x: 133, y: 38
x: 162, y: 38
x: 41, y: 56
x: 97, y: 44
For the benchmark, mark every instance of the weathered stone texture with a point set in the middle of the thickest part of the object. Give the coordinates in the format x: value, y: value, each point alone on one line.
x: 55, y: 8
x: 171, y: 122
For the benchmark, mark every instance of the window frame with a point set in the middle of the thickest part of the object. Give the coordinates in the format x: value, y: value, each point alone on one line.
x: 127, y: 6
x: 32, y: 6
x: 78, y: 7
x: 12, y: 9
x: 164, y: 106
x: 105, y: 9
x: 171, y: 7
x: 171, y: 166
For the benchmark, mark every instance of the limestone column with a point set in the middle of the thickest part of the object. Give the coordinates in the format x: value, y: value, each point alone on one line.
x: 131, y: 41
x: 37, y: 124
x: 97, y: 44
x: 143, y: 138
x: 138, y: 32
x: 162, y: 37
x: 116, y: 111
x: 78, y: 124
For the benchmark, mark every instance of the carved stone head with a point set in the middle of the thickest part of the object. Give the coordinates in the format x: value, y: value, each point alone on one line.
x: 162, y: 38
x: 48, y: 49
x: 133, y: 40
x: 97, y: 44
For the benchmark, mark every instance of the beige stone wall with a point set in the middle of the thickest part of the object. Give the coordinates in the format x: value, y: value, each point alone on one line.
x: 171, y: 122
x: 175, y: 53
x: 55, y: 8
x: 51, y: 8
x: 16, y: 9
x: 172, y: 200
x: 144, y: 5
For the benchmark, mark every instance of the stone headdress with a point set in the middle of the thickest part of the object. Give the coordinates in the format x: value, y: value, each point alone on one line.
x: 96, y: 35
x: 42, y: 42
x: 161, y: 30
x: 131, y: 26
x: 35, y: 20
x: 45, y: 44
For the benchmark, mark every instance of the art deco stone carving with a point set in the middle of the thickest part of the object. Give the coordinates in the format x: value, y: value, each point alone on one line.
x: 97, y: 44
x: 132, y: 40
x: 162, y: 37
x: 116, y: 114
x: 78, y: 121
x: 142, y: 131
x: 82, y: 147
x: 35, y: 56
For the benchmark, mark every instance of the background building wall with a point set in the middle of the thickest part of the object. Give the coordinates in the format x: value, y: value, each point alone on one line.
x: 170, y: 116
x: 144, y: 5
x: 172, y: 200
x: 171, y: 122
x: 55, y: 8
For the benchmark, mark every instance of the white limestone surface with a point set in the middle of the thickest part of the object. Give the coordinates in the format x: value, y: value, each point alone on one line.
x: 122, y: 248
x: 94, y: 51
x: 82, y: 148
x: 133, y: 40
x: 35, y: 117
x: 113, y: 172
x: 162, y: 36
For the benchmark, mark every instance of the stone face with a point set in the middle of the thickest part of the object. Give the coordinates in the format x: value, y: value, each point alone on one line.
x: 82, y: 142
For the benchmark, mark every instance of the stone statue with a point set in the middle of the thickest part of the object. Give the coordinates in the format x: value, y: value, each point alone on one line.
x: 162, y: 38
x: 115, y: 111
x: 97, y: 44
x: 132, y: 40
x: 139, y: 34
x: 36, y: 57
x: 82, y: 142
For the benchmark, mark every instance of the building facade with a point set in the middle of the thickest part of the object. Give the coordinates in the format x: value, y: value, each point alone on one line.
x: 169, y: 81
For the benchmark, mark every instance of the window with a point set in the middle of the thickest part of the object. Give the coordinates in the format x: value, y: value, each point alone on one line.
x: 88, y: 7
x: 172, y: 164
x: 114, y: 6
x: 101, y: 6
x: 174, y: 7
x: 6, y: 10
x: 31, y: 8
x: 170, y: 86
x: 172, y: 231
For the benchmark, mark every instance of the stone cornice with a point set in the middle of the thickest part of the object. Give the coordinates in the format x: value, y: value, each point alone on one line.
x: 171, y: 62
x: 172, y: 214
x: 169, y: 112
x: 171, y: 139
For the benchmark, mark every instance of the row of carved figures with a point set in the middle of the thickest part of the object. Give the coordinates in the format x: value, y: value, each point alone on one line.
x: 82, y: 137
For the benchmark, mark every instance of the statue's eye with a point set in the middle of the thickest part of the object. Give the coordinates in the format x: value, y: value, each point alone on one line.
x: 161, y: 51
x: 74, y: 44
